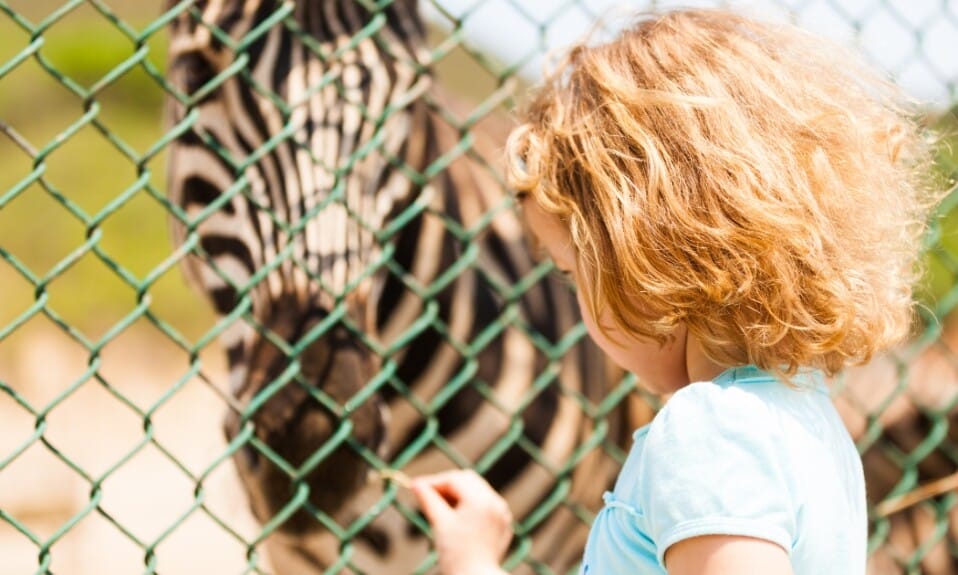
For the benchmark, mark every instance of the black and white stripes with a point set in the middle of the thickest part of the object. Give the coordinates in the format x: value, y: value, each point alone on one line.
x: 312, y: 147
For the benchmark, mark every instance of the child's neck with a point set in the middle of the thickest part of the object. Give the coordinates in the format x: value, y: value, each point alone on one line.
x: 698, y: 366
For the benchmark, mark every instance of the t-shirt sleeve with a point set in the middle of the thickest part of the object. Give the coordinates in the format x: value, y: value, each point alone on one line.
x: 714, y: 464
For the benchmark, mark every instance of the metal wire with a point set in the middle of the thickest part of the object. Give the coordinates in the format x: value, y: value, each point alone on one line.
x: 905, y: 426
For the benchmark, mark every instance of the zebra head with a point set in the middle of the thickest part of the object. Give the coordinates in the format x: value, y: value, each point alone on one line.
x: 296, y: 150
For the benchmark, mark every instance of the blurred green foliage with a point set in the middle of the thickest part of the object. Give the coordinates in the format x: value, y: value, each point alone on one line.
x: 86, y: 172
x: 939, y: 291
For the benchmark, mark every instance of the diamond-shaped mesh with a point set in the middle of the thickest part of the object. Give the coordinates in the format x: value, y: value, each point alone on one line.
x: 114, y: 383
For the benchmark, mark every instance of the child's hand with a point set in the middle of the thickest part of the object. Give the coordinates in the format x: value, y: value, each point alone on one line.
x: 471, y: 523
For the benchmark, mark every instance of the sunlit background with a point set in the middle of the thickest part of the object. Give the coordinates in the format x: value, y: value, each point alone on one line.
x: 115, y: 395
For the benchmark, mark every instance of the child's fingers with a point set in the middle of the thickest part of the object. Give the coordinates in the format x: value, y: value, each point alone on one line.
x: 459, y: 485
x: 463, y: 493
x: 433, y: 504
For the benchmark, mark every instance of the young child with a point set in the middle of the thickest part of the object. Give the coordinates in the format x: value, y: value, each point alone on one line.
x: 740, y: 206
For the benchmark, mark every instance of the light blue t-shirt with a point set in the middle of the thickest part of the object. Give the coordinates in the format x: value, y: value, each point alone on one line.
x: 741, y: 455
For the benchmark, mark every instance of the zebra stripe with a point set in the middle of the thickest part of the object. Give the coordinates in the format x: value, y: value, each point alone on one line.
x: 312, y: 180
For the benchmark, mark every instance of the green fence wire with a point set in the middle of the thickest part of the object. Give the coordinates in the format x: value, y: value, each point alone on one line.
x: 112, y: 385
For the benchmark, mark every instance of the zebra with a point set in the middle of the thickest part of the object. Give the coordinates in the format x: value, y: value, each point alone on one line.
x: 363, y: 274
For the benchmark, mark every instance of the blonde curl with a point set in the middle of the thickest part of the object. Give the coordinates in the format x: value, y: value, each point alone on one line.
x: 755, y: 183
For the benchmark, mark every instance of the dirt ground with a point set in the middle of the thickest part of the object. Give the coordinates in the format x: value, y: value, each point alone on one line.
x: 130, y: 484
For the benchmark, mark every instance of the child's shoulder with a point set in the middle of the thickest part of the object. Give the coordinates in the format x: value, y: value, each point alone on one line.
x: 743, y: 456
x: 719, y: 438
x: 742, y: 405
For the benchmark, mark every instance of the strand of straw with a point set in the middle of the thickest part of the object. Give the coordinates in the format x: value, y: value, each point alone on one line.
x: 923, y: 493
x: 396, y: 476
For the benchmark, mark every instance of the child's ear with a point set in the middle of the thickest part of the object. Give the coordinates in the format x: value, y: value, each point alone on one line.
x: 535, y: 246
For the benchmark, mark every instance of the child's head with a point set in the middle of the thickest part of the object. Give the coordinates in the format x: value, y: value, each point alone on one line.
x: 747, y: 181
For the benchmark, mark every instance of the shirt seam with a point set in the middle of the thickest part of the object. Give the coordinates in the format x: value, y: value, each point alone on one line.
x: 758, y: 529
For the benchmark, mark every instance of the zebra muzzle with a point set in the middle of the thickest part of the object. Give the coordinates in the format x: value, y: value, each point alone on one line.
x: 302, y: 455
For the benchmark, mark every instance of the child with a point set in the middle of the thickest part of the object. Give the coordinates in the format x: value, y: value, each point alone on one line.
x: 740, y: 206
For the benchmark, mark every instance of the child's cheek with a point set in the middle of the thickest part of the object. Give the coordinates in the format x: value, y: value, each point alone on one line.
x: 614, y: 350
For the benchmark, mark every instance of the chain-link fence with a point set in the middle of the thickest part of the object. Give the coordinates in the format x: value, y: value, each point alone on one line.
x: 113, y: 386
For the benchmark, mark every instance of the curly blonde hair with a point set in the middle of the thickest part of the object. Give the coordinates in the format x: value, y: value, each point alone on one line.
x: 750, y: 181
